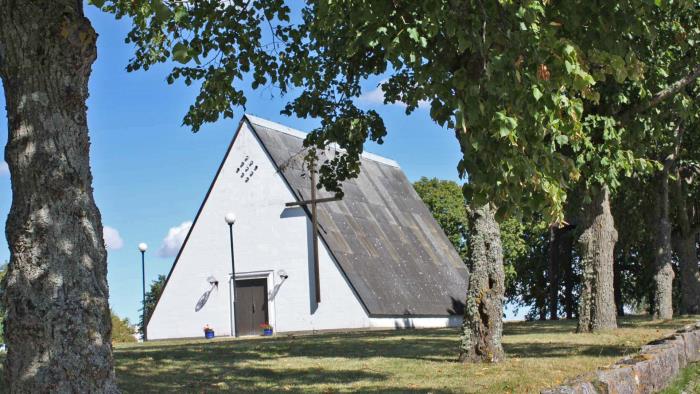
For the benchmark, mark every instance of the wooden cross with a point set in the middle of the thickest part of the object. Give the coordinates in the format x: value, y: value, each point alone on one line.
x: 314, y: 223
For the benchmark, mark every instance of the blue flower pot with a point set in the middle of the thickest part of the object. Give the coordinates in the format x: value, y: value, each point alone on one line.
x: 209, y: 334
x: 267, y: 332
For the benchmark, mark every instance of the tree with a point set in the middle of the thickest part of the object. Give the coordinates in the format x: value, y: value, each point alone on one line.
x: 484, y: 245
x: 482, y: 328
x: 121, y: 330
x: 446, y: 202
x: 596, y: 244
x: 56, y: 295
x: 664, y: 274
x: 478, y: 240
x: 152, y: 296
x: 686, y: 194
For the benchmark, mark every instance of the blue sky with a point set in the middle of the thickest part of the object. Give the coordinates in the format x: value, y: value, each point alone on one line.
x: 151, y: 173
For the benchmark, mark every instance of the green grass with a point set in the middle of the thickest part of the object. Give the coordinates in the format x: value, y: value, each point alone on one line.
x: 687, y: 382
x: 540, y: 354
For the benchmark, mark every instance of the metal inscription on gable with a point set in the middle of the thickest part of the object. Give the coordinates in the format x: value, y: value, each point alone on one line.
x: 246, y: 169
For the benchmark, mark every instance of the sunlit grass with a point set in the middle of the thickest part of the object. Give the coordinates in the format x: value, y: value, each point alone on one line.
x: 540, y: 354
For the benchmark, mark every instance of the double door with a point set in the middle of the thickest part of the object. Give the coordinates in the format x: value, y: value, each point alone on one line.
x: 251, y: 306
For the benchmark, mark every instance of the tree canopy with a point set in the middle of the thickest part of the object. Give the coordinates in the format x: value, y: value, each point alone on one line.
x: 122, y: 331
x: 446, y: 202
x: 540, y: 94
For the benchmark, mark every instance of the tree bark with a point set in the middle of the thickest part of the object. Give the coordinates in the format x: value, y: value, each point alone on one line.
x: 482, y: 328
x: 690, y: 275
x: 663, y: 275
x: 597, y: 244
x: 58, y: 325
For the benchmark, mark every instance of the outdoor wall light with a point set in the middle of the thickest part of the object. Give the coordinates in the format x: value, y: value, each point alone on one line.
x: 283, y: 274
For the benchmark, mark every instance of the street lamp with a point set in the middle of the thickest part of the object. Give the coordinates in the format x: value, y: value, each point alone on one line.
x: 230, y: 220
x: 142, y: 248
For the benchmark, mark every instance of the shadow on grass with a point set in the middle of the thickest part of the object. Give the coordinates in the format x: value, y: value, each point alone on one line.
x: 227, y: 376
x: 431, y: 345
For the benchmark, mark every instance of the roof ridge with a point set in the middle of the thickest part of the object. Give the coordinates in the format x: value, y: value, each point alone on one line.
x: 300, y: 134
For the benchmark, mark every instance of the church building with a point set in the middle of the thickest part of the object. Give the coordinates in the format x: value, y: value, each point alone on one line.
x: 381, y: 260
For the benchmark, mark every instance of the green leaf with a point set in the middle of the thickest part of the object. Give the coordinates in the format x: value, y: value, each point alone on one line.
x: 536, y: 93
x: 181, y: 53
x: 160, y: 10
x: 503, y: 131
x: 415, y: 36
x: 180, y: 14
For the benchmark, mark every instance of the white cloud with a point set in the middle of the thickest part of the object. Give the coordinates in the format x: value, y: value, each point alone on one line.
x: 4, y: 169
x: 376, y: 96
x: 172, y: 242
x: 113, y: 240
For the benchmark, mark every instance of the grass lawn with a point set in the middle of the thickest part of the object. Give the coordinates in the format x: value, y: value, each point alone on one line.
x: 540, y: 354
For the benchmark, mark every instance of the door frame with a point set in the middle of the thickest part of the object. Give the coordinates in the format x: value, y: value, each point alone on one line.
x: 269, y: 277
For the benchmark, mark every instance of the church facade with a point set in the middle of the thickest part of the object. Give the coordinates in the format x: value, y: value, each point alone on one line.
x: 383, y: 261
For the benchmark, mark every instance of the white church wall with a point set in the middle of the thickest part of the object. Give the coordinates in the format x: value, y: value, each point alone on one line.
x: 415, y: 322
x: 267, y: 238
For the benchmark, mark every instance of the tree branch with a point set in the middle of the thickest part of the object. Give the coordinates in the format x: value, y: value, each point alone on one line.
x: 678, y: 140
x: 662, y: 95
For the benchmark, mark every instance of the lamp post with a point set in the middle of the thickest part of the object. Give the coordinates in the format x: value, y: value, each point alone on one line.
x: 230, y: 220
x: 142, y: 248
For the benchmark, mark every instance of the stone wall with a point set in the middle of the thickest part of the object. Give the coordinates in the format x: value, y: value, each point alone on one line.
x: 651, y: 370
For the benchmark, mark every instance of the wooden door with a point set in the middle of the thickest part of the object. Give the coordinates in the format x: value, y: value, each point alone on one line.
x: 251, y: 306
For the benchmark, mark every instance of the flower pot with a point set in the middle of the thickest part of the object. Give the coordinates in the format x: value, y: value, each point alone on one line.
x: 267, y: 332
x: 209, y: 334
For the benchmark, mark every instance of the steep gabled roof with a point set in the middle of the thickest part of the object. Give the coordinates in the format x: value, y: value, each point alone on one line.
x: 383, y: 237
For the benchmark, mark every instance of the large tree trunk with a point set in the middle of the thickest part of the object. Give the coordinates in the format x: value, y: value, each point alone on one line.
x: 58, y: 325
x: 483, y: 313
x: 663, y: 274
x: 690, y: 274
x: 597, y: 245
